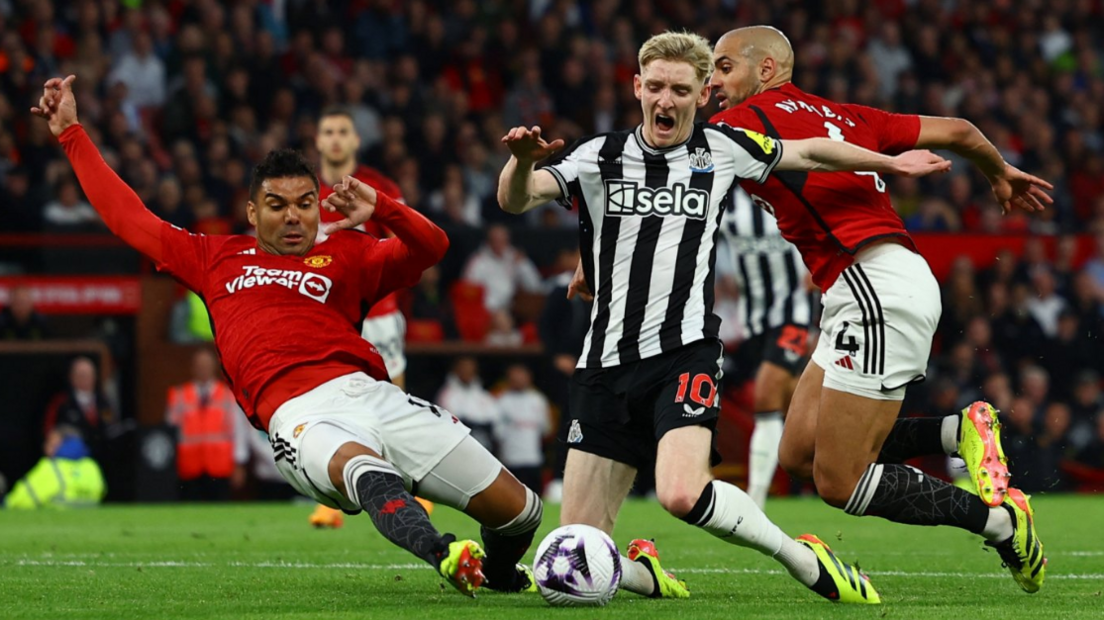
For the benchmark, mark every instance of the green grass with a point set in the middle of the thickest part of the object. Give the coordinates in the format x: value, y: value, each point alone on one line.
x: 263, y: 561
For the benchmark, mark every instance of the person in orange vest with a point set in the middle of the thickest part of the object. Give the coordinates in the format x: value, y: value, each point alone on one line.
x: 204, y: 411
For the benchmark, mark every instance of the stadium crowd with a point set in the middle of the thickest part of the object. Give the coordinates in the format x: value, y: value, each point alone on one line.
x: 185, y: 96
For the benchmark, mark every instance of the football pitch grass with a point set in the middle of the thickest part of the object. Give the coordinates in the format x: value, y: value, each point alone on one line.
x: 264, y: 561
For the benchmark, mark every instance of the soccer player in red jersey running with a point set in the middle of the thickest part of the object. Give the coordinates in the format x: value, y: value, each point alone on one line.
x: 284, y: 307
x: 881, y: 307
x: 337, y: 142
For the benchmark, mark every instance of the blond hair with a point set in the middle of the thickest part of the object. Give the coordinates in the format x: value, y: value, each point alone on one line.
x: 679, y: 46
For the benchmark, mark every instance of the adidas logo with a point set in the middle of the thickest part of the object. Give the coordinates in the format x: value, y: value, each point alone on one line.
x: 845, y: 362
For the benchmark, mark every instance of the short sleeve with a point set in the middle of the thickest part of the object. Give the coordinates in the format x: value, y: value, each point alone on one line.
x: 895, y: 133
x: 755, y: 154
x: 185, y: 256
x: 565, y: 168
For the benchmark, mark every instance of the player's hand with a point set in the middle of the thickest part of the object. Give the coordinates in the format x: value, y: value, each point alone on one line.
x: 919, y: 163
x: 1015, y: 188
x: 353, y: 199
x: 578, y: 285
x: 57, y: 104
x: 528, y: 146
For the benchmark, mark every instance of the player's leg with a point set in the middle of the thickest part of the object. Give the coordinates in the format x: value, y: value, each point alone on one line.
x: 687, y: 490
x: 797, y: 448
x: 784, y: 354
x: 880, y: 327
x: 606, y: 450
x: 471, y: 479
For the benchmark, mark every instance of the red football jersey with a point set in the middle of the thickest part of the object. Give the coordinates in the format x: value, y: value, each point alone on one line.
x: 381, y: 183
x: 829, y: 216
x: 256, y: 300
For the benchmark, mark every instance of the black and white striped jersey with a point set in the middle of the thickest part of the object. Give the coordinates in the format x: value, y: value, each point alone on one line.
x: 767, y: 268
x: 648, y: 225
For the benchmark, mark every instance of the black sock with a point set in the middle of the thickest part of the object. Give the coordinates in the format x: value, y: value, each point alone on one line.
x: 503, y: 554
x: 907, y: 495
x: 912, y: 437
x: 399, y: 517
x: 507, y: 543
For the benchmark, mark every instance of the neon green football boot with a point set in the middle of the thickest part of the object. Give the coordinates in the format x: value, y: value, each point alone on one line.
x: 839, y: 582
x: 667, y: 586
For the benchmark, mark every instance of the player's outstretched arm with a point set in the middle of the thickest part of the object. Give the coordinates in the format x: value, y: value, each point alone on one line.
x: 827, y: 155
x: 419, y: 243
x: 121, y: 209
x: 521, y: 188
x: 1011, y: 186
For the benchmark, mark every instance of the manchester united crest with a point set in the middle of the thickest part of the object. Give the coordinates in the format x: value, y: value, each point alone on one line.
x: 298, y: 429
x: 317, y: 262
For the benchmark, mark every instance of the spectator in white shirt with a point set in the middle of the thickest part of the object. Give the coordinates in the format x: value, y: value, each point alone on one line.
x: 68, y: 210
x: 523, y: 422
x: 501, y: 269
x: 1047, y: 304
x: 142, y: 72
x: 463, y: 395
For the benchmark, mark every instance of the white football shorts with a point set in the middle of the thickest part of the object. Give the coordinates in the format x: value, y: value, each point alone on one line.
x: 408, y: 432
x: 878, y: 322
x: 388, y: 334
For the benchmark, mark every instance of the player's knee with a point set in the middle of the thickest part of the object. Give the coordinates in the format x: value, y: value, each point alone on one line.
x: 834, y: 486
x: 678, y: 499
x: 525, y: 521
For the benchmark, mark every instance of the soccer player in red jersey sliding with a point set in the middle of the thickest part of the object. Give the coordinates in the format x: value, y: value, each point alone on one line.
x: 881, y: 307
x: 284, y: 307
x: 337, y: 142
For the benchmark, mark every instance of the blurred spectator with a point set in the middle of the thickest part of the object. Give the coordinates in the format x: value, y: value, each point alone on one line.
x: 1046, y: 305
x: 82, y: 406
x: 17, y: 202
x: 1035, y: 386
x: 1066, y: 353
x: 19, y: 320
x: 501, y: 270
x: 68, y: 210
x: 933, y: 215
x: 65, y: 477
x: 523, y: 421
x: 142, y: 72
x: 205, y: 414
x: 1092, y: 455
x: 464, y: 396
x: 502, y: 332
x: 1052, y: 446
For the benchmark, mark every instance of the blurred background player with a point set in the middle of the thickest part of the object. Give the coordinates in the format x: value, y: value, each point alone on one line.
x: 881, y: 308
x: 337, y: 142
x: 776, y: 307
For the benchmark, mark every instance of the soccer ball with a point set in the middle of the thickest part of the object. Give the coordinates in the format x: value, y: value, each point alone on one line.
x: 577, y: 565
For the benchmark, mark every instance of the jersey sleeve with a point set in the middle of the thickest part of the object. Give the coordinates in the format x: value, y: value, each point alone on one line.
x: 564, y: 167
x: 755, y: 154
x: 184, y: 256
x: 895, y: 133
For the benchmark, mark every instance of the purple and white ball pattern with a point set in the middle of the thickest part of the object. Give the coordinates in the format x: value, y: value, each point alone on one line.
x: 577, y: 565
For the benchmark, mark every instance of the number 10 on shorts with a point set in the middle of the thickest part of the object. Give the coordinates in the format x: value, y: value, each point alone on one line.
x: 702, y: 389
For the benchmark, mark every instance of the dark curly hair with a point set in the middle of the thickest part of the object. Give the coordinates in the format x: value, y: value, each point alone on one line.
x: 279, y: 164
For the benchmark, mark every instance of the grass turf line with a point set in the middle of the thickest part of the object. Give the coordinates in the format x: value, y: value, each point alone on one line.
x: 263, y: 561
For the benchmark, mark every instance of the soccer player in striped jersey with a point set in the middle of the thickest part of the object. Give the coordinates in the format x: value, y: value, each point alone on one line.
x: 776, y: 308
x: 645, y: 390
x: 881, y: 308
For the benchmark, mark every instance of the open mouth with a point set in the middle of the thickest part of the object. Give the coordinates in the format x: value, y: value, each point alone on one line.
x: 293, y: 238
x: 664, y: 122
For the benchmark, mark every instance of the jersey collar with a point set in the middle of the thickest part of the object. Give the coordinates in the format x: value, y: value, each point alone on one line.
x: 639, y: 133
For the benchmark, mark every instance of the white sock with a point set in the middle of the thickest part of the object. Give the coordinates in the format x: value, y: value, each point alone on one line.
x: 998, y: 527
x: 949, y: 433
x: 636, y: 578
x: 729, y: 514
x: 763, y: 457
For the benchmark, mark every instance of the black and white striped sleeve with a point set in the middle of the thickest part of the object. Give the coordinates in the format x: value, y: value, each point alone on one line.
x: 565, y: 168
x: 756, y: 155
